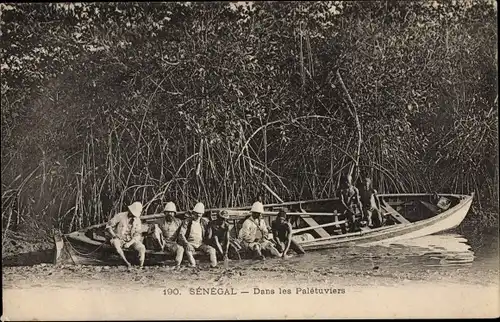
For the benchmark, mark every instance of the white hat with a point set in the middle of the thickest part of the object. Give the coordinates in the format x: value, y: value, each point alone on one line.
x: 224, y: 214
x: 199, y: 208
x: 135, y: 209
x: 170, y: 206
x: 257, y: 207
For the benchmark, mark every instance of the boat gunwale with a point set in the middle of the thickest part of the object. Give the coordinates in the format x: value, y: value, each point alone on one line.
x: 462, y: 197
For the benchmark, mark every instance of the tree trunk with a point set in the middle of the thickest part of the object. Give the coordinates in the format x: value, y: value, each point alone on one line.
x: 354, y: 114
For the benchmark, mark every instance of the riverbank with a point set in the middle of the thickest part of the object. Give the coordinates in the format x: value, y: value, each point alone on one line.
x: 87, y: 277
x: 441, y: 258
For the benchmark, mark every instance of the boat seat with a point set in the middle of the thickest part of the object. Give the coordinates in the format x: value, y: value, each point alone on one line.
x: 431, y: 207
x: 396, y: 215
x: 311, y: 222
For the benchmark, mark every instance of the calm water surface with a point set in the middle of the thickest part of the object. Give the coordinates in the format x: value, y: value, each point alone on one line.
x: 463, y: 252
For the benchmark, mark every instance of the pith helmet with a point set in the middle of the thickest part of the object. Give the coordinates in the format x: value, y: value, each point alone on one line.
x: 170, y: 207
x: 135, y: 209
x: 199, y: 208
x: 224, y: 214
x: 257, y: 207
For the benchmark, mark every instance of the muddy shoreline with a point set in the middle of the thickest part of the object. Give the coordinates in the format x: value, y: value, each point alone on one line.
x: 436, y: 259
x: 272, y: 271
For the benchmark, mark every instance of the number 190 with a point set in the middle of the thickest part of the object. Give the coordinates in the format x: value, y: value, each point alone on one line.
x: 171, y: 291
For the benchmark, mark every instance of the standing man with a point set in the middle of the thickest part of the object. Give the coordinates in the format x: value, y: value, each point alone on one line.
x: 371, y: 204
x: 170, y: 231
x: 349, y: 196
x: 218, y: 233
x: 282, y: 235
x: 254, y: 233
x: 193, y: 236
x: 126, y: 231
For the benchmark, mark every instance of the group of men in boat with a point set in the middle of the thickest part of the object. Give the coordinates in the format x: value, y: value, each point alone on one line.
x: 364, y: 199
x: 182, y: 238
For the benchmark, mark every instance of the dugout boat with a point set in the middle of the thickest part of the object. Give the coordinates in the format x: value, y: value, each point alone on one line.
x: 317, y: 224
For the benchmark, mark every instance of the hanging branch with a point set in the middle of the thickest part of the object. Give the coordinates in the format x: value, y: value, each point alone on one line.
x: 354, y: 114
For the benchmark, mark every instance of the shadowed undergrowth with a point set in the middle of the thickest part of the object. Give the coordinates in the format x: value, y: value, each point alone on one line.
x: 105, y: 104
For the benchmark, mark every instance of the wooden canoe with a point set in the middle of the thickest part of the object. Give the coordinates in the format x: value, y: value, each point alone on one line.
x: 316, y: 224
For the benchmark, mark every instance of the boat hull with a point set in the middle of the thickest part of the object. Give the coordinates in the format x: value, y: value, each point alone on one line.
x: 77, y: 248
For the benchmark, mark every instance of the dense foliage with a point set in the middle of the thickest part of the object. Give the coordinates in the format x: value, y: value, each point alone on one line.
x: 105, y: 103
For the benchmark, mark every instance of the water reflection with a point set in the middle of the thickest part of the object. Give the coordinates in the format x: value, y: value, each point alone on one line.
x: 438, y: 250
x: 442, y: 250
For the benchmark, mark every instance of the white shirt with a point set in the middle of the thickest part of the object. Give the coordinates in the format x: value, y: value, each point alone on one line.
x: 195, y: 237
x: 251, y: 230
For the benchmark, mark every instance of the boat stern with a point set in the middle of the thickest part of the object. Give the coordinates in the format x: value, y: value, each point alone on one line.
x: 62, y: 255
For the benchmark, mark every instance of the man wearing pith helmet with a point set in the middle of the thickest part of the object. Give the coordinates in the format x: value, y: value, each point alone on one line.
x: 126, y: 232
x: 193, y: 235
x: 254, y: 233
x: 170, y: 230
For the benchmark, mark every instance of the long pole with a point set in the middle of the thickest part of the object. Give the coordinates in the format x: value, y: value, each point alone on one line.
x: 319, y: 226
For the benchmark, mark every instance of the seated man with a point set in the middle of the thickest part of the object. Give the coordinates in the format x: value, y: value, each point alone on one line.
x: 214, y: 216
x: 126, y: 231
x: 371, y: 204
x: 218, y: 234
x: 282, y: 235
x: 254, y: 233
x: 170, y: 230
x: 193, y: 236
x: 349, y: 196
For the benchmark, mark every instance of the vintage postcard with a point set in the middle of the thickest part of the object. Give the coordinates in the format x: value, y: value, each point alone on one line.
x: 249, y: 160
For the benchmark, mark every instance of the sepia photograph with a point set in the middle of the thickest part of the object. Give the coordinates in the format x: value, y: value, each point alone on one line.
x: 249, y: 160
